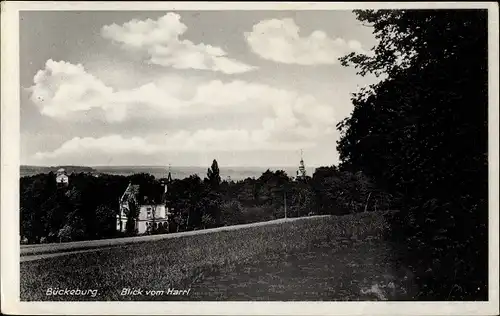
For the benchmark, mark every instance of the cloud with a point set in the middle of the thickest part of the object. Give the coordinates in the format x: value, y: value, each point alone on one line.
x: 113, y: 144
x: 280, y: 41
x: 208, y: 140
x: 160, y: 41
x: 281, y: 119
x: 66, y: 91
x: 62, y: 88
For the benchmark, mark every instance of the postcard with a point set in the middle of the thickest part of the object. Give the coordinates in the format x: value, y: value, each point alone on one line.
x: 247, y: 158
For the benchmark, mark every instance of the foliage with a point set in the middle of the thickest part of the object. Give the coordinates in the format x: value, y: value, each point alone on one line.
x: 87, y: 208
x: 213, y: 175
x: 106, y: 220
x: 132, y: 213
x: 69, y: 233
x: 207, y: 221
x: 421, y: 133
x: 232, y: 212
x: 186, y: 197
x: 340, y: 191
x: 211, y: 201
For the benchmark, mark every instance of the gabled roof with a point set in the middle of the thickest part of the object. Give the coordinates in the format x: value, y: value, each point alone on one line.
x: 143, y: 195
x: 132, y: 191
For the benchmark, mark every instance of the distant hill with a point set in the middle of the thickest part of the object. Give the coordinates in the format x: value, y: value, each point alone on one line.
x: 178, y: 172
x: 33, y: 170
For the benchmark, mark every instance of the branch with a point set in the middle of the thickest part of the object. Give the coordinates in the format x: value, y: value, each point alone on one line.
x: 366, y: 205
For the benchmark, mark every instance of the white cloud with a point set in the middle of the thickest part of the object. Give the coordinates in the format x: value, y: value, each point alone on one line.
x: 280, y: 41
x: 112, y: 144
x: 62, y: 88
x: 160, y: 41
x: 207, y: 140
x: 218, y: 93
x: 66, y: 91
x: 288, y: 120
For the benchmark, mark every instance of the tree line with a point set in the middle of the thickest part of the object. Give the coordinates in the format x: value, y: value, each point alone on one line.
x: 87, y: 208
x: 421, y: 133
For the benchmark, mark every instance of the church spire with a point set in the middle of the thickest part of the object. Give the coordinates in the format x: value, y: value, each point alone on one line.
x: 169, y: 177
x: 165, y: 183
x: 302, y: 168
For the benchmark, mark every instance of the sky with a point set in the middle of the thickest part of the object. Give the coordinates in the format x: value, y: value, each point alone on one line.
x: 248, y: 88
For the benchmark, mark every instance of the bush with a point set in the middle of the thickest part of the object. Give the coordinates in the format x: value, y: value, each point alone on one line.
x: 231, y: 212
x: 207, y: 221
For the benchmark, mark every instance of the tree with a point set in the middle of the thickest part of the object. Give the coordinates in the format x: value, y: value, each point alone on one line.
x: 213, y: 175
x: 400, y: 121
x: 271, y: 187
x: 132, y: 213
x: 73, y: 230
x: 232, y: 212
x: 35, y: 193
x: 105, y: 221
x: 341, y: 191
x: 421, y: 133
x: 302, y: 199
x: 46, y: 208
x: 207, y: 221
x: 65, y: 234
x: 186, y: 196
x: 211, y: 201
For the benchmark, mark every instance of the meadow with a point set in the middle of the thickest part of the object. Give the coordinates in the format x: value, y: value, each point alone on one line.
x: 326, y: 258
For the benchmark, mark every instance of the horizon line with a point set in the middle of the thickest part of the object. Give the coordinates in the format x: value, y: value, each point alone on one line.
x: 181, y: 166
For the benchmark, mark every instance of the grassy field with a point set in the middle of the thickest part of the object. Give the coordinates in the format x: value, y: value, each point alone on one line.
x: 56, y: 248
x: 332, y: 258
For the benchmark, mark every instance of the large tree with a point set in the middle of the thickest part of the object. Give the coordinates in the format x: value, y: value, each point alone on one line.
x: 213, y: 175
x: 422, y: 132
x: 211, y: 201
x: 187, y: 199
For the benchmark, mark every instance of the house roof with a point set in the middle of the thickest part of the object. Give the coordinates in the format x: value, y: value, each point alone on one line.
x: 143, y: 195
x: 132, y: 191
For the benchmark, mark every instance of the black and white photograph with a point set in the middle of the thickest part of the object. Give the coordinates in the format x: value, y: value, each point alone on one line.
x: 227, y: 152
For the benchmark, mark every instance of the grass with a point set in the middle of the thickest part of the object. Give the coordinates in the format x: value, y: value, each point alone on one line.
x: 41, y: 249
x: 332, y: 258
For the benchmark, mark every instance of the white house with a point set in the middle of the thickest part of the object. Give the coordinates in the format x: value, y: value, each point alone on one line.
x: 153, y: 211
x: 62, y: 178
x: 152, y: 217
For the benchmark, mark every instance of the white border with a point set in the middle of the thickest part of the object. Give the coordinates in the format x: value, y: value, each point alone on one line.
x: 10, y: 179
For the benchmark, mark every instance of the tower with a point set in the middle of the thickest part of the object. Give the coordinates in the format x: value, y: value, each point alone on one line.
x: 169, y: 177
x: 302, y: 168
x: 166, y: 182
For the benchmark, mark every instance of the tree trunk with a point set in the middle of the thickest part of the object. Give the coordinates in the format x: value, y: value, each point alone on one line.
x: 368, y: 199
